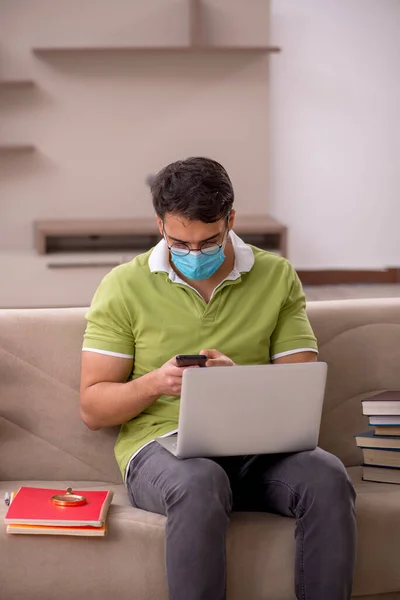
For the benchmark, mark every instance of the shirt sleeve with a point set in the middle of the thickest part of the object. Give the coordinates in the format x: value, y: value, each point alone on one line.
x: 293, y: 332
x: 109, y: 324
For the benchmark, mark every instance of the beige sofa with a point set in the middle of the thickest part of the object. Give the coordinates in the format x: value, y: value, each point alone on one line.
x: 43, y: 442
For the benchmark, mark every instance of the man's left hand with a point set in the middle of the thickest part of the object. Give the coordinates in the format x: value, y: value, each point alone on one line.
x: 217, y: 359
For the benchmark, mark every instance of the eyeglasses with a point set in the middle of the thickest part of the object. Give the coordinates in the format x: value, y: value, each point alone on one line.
x: 207, y: 248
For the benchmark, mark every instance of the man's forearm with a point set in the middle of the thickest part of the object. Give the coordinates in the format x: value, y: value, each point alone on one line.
x: 106, y: 404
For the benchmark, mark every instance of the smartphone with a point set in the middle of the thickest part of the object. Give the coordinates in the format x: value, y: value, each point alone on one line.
x: 190, y: 360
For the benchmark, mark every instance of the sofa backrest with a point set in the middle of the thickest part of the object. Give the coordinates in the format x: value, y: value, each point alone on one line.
x: 360, y: 341
x: 41, y: 433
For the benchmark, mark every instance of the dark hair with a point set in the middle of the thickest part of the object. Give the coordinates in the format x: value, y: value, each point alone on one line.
x: 198, y: 189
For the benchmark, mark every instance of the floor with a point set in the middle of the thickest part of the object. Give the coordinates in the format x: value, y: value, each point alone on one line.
x: 342, y: 292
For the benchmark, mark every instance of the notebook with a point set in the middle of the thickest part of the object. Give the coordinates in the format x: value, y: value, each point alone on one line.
x: 385, y: 403
x: 33, y: 506
x: 370, y: 440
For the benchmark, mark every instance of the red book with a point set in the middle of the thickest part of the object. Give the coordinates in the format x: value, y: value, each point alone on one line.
x: 33, y: 506
x: 48, y: 530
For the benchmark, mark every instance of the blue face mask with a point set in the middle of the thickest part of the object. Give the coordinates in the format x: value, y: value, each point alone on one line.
x: 198, y: 266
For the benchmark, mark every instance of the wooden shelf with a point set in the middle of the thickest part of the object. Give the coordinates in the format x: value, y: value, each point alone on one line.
x: 16, y: 148
x: 123, y: 235
x: 194, y: 49
x: 16, y: 83
x: 195, y: 23
x: 197, y: 41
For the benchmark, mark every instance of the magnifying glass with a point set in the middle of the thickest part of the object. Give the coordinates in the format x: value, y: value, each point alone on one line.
x: 68, y: 499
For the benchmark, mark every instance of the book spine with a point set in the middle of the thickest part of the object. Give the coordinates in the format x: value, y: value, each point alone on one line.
x: 380, y: 449
x: 106, y: 505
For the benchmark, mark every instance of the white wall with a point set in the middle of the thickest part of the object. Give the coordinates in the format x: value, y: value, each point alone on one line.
x: 103, y: 121
x: 335, y: 131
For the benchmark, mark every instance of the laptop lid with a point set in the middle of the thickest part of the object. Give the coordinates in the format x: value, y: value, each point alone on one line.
x: 261, y: 409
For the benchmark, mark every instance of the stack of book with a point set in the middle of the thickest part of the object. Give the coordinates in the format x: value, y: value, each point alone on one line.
x: 32, y: 511
x: 381, y: 445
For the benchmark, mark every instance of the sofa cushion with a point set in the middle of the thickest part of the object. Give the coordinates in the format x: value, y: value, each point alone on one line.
x: 131, y: 557
x: 128, y: 563
x: 378, y: 520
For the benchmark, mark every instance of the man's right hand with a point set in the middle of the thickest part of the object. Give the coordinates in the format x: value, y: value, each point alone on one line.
x: 169, y: 378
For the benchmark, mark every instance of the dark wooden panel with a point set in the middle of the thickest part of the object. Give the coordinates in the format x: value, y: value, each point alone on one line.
x: 341, y: 276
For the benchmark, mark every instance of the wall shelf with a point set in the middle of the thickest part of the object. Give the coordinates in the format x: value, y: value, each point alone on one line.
x: 16, y: 148
x: 16, y: 83
x: 124, y: 235
x: 197, y: 41
x: 194, y: 49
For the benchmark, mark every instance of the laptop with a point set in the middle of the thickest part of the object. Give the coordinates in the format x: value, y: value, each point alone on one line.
x: 260, y: 409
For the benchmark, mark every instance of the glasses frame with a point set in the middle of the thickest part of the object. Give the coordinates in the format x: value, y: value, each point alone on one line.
x: 200, y: 249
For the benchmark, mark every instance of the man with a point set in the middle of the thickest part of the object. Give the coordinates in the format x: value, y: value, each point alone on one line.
x: 203, y: 289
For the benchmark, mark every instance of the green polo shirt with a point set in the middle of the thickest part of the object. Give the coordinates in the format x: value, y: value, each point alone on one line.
x: 143, y: 310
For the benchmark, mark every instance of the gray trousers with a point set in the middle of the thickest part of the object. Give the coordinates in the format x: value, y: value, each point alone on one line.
x: 198, y: 495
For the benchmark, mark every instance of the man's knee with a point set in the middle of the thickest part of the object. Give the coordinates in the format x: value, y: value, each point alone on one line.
x: 202, y: 482
x: 325, y: 477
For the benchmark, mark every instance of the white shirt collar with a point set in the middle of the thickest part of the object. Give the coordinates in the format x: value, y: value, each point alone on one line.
x: 244, y: 259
